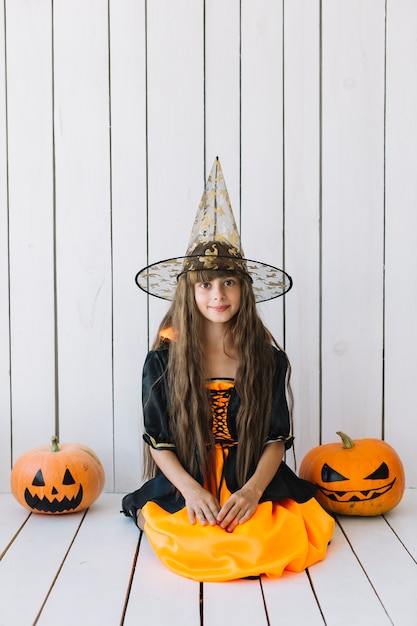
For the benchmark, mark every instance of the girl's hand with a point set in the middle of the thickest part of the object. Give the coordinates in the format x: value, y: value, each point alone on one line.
x: 201, y: 505
x: 199, y: 502
x: 241, y: 505
x: 239, y: 508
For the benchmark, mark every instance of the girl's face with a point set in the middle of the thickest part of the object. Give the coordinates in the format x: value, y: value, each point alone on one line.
x: 218, y: 300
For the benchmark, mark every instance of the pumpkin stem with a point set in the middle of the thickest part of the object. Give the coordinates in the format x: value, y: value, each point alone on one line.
x: 347, y: 441
x: 54, y: 447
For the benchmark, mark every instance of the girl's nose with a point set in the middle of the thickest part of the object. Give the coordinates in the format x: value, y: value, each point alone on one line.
x: 217, y: 292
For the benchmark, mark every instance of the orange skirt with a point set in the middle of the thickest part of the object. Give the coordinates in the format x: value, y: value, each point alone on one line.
x: 280, y: 536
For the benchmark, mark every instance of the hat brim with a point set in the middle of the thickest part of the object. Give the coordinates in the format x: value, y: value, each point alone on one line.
x: 160, y: 279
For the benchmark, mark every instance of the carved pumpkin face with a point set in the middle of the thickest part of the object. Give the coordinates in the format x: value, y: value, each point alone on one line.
x: 361, y: 477
x: 61, y: 479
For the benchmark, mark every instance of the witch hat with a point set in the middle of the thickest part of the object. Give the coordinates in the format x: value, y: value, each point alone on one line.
x: 214, y: 244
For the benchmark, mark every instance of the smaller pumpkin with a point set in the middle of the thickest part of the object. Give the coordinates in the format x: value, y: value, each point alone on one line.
x: 355, y: 477
x: 56, y: 479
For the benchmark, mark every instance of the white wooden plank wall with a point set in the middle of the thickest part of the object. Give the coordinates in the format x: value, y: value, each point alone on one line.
x: 111, y: 113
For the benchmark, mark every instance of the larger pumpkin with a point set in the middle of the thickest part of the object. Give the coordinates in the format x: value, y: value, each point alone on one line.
x: 57, y: 479
x: 355, y: 477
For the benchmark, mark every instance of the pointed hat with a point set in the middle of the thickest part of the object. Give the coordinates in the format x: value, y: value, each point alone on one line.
x: 214, y: 244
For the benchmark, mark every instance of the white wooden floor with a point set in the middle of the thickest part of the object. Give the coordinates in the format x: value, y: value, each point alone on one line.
x: 95, y: 568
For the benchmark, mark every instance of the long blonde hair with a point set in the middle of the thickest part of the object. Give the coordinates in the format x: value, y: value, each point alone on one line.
x: 190, y: 413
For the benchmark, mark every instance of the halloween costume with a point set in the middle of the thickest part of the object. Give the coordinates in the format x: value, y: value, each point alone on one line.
x: 289, y: 529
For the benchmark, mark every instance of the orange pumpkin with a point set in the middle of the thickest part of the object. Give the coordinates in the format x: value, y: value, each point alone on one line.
x: 361, y: 477
x: 57, y: 479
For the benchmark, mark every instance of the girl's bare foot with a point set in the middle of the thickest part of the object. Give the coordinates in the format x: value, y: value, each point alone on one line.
x: 140, y: 520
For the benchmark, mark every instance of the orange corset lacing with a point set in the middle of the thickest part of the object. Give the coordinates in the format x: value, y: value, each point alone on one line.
x: 220, y: 390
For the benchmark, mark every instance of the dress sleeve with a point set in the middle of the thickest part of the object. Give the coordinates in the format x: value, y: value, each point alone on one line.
x: 280, y: 429
x: 155, y: 401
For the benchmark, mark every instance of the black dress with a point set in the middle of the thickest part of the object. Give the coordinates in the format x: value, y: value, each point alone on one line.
x: 289, y: 529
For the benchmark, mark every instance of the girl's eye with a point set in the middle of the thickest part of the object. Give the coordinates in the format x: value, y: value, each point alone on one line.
x: 229, y: 282
x: 204, y: 285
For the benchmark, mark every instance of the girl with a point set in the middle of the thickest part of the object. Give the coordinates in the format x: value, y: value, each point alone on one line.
x: 220, y: 503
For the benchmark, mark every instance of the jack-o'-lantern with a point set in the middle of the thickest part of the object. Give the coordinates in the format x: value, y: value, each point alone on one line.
x: 355, y: 477
x: 62, y: 478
